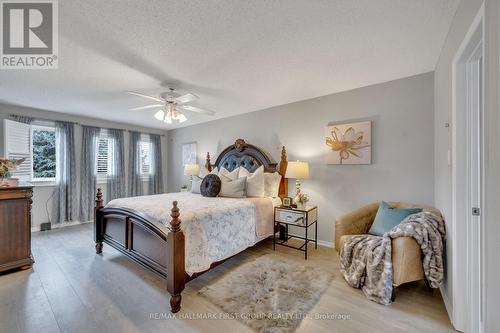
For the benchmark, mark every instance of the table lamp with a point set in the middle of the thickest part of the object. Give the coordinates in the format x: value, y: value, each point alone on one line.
x: 297, y: 170
x: 191, y: 170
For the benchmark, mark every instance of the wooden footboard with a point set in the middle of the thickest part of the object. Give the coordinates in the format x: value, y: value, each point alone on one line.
x: 140, y: 240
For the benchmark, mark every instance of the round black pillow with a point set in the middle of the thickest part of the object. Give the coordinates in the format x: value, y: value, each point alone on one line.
x: 210, y: 185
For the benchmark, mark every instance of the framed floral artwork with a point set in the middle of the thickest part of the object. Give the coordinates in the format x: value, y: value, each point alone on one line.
x: 349, y: 143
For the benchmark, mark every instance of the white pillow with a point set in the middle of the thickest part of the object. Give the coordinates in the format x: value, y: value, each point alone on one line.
x: 255, y: 181
x: 231, y: 175
x: 204, y: 171
x: 272, y: 184
x: 233, y: 188
x: 196, y: 184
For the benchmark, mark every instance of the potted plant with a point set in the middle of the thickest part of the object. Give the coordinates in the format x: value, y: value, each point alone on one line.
x: 6, y: 167
x: 301, y: 200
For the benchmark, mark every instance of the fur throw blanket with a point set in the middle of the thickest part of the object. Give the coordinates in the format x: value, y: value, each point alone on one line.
x: 365, y: 260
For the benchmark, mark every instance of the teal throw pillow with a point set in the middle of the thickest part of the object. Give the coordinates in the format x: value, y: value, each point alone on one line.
x: 388, y: 217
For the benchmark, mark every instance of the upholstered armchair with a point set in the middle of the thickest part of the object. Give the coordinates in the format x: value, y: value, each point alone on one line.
x: 406, y: 253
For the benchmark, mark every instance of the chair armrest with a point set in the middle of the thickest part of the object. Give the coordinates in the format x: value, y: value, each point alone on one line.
x: 406, y: 261
x: 357, y: 222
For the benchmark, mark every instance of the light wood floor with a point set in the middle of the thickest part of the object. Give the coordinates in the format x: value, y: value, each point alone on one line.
x: 70, y: 289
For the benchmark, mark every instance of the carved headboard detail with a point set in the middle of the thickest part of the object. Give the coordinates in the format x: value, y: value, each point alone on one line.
x: 251, y: 157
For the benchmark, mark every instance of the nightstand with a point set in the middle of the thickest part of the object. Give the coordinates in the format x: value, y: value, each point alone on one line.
x: 297, y: 217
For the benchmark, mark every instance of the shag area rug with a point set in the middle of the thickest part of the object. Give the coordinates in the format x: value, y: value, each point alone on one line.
x: 269, y: 294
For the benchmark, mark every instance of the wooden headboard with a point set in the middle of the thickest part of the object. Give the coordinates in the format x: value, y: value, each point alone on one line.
x: 250, y: 157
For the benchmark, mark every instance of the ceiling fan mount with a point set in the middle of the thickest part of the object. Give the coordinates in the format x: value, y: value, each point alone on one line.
x: 171, y: 105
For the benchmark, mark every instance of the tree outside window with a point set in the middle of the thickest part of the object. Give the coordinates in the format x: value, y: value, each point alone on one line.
x: 44, y: 153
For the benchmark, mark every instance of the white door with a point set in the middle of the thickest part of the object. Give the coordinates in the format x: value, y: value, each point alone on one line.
x: 467, y: 170
x: 474, y: 178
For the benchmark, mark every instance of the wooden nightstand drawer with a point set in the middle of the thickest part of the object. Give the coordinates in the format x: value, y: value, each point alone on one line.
x: 290, y: 216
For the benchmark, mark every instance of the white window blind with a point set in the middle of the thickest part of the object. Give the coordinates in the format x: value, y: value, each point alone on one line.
x: 17, y: 145
x: 145, y: 157
x: 102, y: 156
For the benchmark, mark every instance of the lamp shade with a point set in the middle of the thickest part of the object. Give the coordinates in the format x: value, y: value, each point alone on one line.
x: 297, y: 170
x: 191, y: 169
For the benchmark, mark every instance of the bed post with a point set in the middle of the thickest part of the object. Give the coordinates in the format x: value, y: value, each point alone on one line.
x: 208, y: 164
x: 283, y: 190
x: 175, y: 260
x: 98, y: 222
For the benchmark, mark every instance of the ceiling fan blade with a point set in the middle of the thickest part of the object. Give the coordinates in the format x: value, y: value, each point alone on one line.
x: 186, y: 98
x: 146, y: 96
x: 198, y: 110
x: 146, y: 107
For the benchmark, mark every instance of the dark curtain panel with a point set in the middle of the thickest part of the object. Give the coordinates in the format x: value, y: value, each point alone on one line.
x: 135, y: 181
x: 155, y: 184
x: 116, y: 176
x: 66, y: 207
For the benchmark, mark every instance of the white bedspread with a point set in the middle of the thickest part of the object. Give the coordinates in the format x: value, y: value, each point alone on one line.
x: 214, y: 228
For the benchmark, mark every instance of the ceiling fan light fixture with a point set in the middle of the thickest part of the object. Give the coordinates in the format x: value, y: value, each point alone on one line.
x: 170, y: 104
x: 160, y: 115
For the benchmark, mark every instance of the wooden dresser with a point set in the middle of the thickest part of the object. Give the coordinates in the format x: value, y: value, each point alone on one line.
x: 15, y: 227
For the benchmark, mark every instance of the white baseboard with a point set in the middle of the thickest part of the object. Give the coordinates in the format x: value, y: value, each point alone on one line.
x: 326, y: 243
x: 320, y: 242
x: 447, y: 304
x: 60, y: 225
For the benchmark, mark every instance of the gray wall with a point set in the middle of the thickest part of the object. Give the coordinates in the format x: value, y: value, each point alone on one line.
x: 402, y: 112
x: 464, y: 16
x: 42, y: 200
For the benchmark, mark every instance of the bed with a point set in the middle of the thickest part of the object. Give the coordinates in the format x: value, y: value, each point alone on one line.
x: 149, y: 231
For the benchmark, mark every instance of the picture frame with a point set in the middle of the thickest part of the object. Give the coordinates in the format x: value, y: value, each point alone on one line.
x: 287, y: 201
x: 348, y: 143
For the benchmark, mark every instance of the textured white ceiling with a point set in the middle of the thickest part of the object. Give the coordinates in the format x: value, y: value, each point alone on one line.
x: 238, y: 56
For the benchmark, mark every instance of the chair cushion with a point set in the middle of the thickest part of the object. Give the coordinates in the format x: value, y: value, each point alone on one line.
x: 388, y: 217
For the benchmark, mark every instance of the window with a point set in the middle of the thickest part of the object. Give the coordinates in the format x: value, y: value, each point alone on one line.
x: 104, y: 156
x: 37, y: 145
x: 43, y: 147
x: 146, y: 148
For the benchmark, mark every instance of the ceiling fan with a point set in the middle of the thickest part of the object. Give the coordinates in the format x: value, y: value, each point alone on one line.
x: 171, y: 106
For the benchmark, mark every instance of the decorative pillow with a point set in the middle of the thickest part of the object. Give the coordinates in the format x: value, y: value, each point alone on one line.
x: 255, y: 181
x: 388, y: 217
x: 271, y: 184
x: 195, y: 184
x: 233, y: 188
x: 204, y: 171
x: 210, y: 186
x: 229, y: 174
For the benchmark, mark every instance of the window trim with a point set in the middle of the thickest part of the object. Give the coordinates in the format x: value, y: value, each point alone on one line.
x: 146, y: 176
x: 100, y: 177
x: 41, y: 180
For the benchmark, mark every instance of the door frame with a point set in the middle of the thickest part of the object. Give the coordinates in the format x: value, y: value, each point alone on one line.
x: 461, y: 281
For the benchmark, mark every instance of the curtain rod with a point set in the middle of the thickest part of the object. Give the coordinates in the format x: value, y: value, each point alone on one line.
x: 80, y: 124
